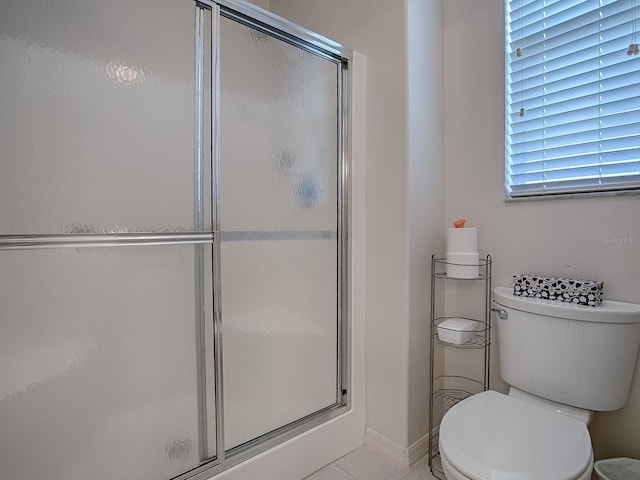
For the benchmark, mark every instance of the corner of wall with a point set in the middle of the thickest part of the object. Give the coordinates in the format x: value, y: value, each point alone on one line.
x: 425, y: 112
x: 405, y: 456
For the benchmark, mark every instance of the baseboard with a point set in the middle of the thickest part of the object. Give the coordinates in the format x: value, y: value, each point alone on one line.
x: 407, y: 457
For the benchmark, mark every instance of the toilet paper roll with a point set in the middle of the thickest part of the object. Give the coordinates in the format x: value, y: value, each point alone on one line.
x: 463, y: 265
x: 462, y: 240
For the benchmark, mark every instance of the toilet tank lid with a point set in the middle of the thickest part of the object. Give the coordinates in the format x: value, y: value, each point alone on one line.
x: 609, y: 311
x: 491, y: 435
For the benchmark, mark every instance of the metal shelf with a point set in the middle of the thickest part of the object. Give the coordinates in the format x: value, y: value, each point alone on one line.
x: 436, y: 461
x: 447, y: 398
x: 484, y: 265
x: 483, y: 262
x: 451, y: 389
x: 480, y: 340
x: 436, y: 466
x: 482, y: 276
x: 448, y: 388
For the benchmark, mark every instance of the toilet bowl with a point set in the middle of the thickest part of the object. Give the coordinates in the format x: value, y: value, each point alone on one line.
x: 498, y: 437
x: 562, y: 362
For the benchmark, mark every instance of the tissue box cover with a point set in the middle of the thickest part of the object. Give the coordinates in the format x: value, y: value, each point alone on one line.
x: 571, y: 290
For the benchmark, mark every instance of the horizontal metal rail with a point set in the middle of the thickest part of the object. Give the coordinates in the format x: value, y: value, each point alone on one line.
x: 78, y: 240
x: 276, y: 235
x: 75, y: 240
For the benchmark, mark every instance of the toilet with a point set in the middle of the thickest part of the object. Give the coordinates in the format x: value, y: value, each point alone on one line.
x: 562, y: 363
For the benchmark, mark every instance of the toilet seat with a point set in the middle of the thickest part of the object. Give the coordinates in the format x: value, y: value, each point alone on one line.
x: 494, y: 436
x: 452, y: 474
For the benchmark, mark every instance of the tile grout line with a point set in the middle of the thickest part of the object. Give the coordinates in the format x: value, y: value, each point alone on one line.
x: 345, y: 471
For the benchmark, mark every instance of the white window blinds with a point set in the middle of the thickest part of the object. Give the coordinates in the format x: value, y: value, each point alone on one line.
x: 572, y: 97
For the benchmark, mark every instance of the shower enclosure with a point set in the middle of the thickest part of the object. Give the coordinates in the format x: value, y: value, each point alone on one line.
x: 173, y: 241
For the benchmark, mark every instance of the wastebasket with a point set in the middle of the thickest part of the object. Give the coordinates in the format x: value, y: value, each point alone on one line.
x: 618, y: 469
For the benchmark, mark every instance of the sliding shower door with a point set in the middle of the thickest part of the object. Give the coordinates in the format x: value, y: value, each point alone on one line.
x: 103, y: 321
x: 278, y: 178
x: 98, y: 363
x: 172, y: 239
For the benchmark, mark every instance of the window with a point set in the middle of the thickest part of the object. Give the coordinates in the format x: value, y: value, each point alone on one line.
x: 572, y: 97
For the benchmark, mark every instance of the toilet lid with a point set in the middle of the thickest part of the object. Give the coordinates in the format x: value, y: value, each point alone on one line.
x: 494, y: 436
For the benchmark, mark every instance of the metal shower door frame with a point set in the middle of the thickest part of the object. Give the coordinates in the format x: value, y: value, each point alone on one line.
x: 295, y: 35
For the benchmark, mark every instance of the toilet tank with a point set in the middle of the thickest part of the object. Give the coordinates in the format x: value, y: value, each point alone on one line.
x: 576, y: 355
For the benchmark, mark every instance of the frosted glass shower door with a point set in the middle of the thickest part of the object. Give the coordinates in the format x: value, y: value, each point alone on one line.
x: 106, y: 323
x: 98, y: 363
x: 97, y: 117
x: 278, y: 231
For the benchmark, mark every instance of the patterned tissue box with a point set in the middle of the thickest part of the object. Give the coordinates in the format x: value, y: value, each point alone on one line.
x: 571, y: 290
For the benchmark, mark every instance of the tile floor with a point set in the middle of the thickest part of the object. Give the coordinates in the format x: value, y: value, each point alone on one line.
x: 366, y: 463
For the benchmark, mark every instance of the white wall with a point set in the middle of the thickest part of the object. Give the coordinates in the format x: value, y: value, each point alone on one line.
x: 572, y: 237
x: 425, y: 109
x: 404, y: 193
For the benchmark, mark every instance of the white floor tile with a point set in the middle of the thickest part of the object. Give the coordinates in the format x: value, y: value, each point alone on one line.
x: 330, y: 472
x: 367, y: 464
x: 421, y: 472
